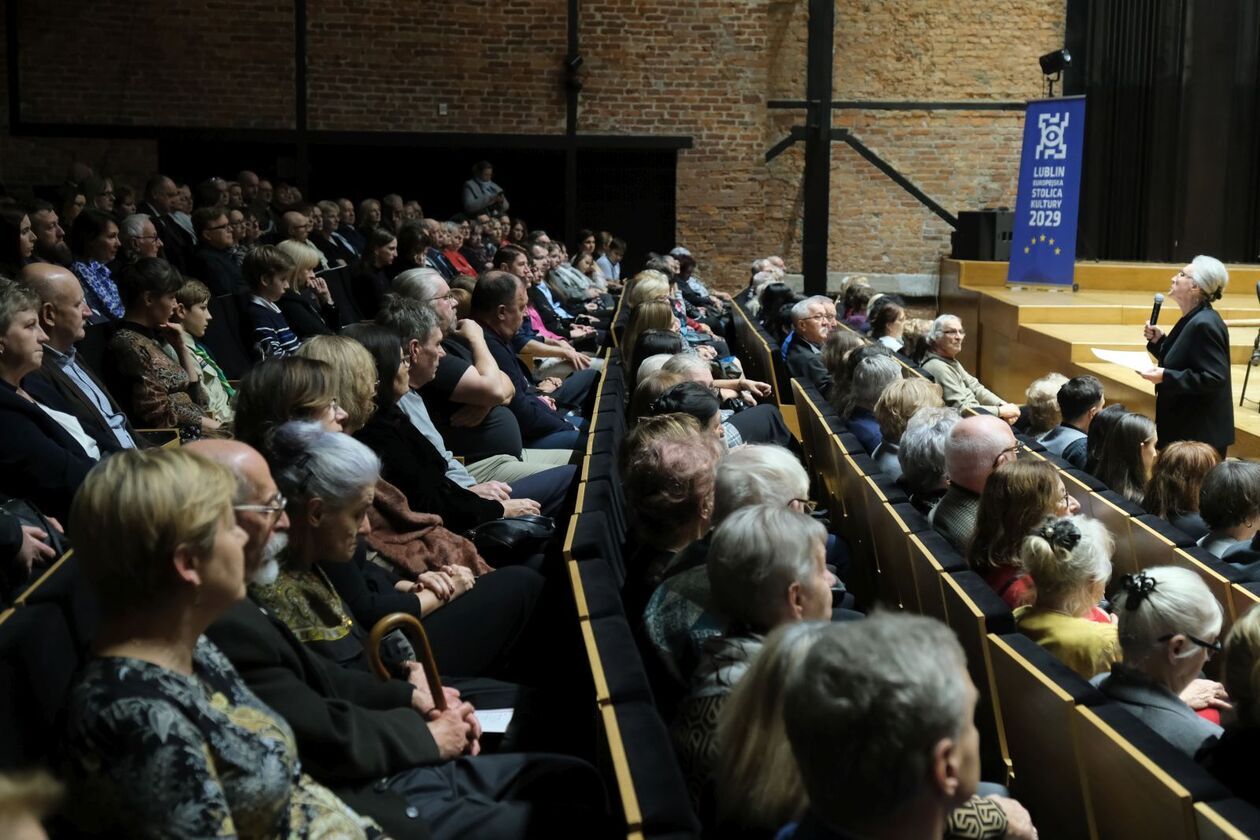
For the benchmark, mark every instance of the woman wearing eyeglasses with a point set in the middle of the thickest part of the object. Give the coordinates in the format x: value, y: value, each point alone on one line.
x: 1169, y: 624
x: 1193, y: 396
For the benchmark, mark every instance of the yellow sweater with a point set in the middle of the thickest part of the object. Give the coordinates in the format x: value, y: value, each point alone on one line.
x: 1087, y: 647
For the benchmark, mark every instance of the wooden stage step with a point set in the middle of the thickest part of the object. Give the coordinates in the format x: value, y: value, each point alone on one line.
x: 1015, y: 335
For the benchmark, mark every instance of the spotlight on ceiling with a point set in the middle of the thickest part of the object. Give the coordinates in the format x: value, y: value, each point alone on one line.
x: 1054, y: 62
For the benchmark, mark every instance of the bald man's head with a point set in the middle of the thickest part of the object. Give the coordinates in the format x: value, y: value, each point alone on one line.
x: 62, y: 310
x: 296, y: 225
x: 256, y: 495
x: 975, y: 448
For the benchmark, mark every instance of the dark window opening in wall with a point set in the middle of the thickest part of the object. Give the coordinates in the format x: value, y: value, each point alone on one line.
x: 630, y: 192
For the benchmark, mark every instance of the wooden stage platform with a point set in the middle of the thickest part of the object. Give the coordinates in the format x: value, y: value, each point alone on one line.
x: 1015, y: 335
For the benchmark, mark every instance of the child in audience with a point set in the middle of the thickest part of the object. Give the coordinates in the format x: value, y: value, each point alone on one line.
x: 192, y: 316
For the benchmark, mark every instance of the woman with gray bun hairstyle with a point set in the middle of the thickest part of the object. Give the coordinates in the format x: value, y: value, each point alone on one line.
x: 1170, y: 625
x: 1070, y: 558
x: 1193, y: 396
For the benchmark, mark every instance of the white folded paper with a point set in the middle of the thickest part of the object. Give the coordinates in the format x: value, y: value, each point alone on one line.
x: 494, y: 720
x: 1132, y: 359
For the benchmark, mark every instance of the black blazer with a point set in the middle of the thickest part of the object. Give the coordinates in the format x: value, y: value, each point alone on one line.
x: 1195, y: 401
x: 52, y: 385
x: 806, y: 365
x: 413, y: 465
x: 352, y: 729
x: 217, y: 269
x: 550, y: 319
x: 305, y: 318
x: 39, y: 460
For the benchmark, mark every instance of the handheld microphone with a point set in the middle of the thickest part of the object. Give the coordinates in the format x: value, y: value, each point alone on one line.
x: 1159, y: 301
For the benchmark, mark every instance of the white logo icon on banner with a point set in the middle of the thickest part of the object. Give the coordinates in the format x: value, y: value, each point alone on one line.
x: 1053, y: 143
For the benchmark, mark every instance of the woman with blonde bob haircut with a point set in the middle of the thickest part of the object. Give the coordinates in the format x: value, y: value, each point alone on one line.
x: 307, y: 304
x: 651, y: 315
x: 1169, y: 628
x: 647, y: 286
x: 893, y: 410
x: 1070, y: 559
x: 351, y: 375
x: 278, y: 390
x: 165, y: 737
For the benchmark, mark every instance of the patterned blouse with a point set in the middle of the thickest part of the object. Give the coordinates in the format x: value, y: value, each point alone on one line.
x: 153, y: 753
x: 100, y: 288
x: 159, y: 394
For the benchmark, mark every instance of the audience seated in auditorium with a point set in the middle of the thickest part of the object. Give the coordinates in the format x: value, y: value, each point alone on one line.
x: 871, y: 376
x: 266, y: 272
x: 307, y: 304
x: 330, y: 596
x: 649, y: 389
x: 811, y: 324
x: 900, y: 681
x: 921, y: 455
x: 855, y: 297
x: 296, y: 225
x: 745, y: 421
x: 1232, y: 759
x: 1096, y: 437
x: 275, y: 391
x: 44, y: 451
x: 213, y: 262
x: 545, y: 480
x: 337, y: 250
x: 156, y: 376
x: 1070, y: 560
x: 975, y: 448
x: 893, y: 410
x: 165, y: 739
x: 766, y: 568
x: 838, y: 346
x: 1018, y: 497
x: 1042, y: 403
x: 1229, y: 503
x: 481, y: 193
x: 694, y: 400
x: 498, y: 305
x: 64, y: 377
x: 609, y: 262
x: 1080, y: 399
x: 1127, y: 456
x: 382, y: 745
x: 93, y: 239
x: 770, y: 305
x: 1176, y: 480
x: 467, y: 395
x: 668, y: 465
x: 192, y: 317
x: 50, y: 236
x: 961, y: 389
x: 1169, y: 628
x: 17, y: 240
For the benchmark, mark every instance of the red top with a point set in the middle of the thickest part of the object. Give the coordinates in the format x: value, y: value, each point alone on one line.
x: 461, y: 264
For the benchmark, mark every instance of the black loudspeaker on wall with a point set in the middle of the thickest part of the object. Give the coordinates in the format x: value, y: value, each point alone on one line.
x: 983, y: 235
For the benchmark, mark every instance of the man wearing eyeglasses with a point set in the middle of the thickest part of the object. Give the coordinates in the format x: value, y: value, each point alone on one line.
x: 960, y: 389
x: 974, y: 449
x: 212, y: 262
x: 812, y: 322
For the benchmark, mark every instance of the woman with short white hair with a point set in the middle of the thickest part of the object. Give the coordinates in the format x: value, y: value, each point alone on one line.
x: 1070, y: 559
x: 1193, y: 396
x: 1169, y: 627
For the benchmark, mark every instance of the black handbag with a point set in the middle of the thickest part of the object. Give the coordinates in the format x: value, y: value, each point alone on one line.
x: 512, y: 539
x: 27, y: 514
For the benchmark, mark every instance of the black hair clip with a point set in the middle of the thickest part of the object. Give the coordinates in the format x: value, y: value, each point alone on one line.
x: 1139, y: 587
x: 1061, y: 533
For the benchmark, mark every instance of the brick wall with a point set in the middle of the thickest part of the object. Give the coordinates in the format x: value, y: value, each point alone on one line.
x: 703, y: 68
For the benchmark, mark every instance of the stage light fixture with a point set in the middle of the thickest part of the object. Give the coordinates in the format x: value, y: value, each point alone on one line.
x: 1054, y: 62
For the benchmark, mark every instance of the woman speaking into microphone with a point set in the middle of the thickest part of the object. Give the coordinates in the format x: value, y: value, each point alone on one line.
x: 1193, y: 398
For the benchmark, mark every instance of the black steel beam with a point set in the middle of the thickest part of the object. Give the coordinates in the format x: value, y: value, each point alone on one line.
x: 815, y: 228
x: 843, y: 135
x: 901, y: 105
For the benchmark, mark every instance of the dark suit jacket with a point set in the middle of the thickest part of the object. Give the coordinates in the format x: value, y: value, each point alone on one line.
x: 550, y: 319
x: 51, y: 384
x: 352, y: 729
x: 218, y: 270
x: 804, y: 364
x: 1195, y: 402
x: 39, y: 460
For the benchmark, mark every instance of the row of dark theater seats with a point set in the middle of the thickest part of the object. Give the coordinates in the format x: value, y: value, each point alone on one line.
x: 1083, y: 766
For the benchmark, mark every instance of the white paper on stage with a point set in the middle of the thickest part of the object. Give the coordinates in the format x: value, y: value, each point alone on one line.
x: 1133, y: 360
x: 494, y: 720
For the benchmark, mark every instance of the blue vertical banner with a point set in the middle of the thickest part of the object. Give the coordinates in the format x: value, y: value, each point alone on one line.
x: 1043, y: 243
